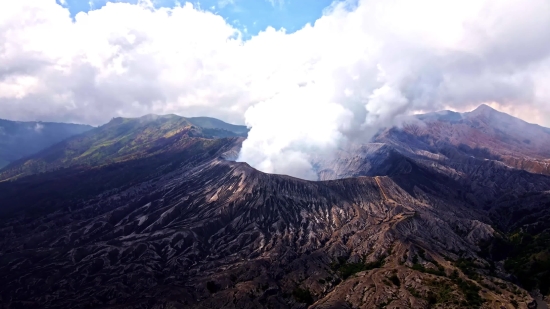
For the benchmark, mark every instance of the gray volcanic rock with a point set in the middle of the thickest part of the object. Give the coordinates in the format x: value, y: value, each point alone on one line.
x: 482, y: 133
x: 410, y: 221
x: 222, y: 234
x: 357, y: 160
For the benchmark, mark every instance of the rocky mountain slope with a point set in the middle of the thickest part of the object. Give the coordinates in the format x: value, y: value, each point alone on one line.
x: 225, y: 235
x: 401, y: 223
x: 123, y: 139
x: 216, y: 124
x: 21, y: 139
x: 479, y: 151
x: 446, y: 136
x: 483, y: 133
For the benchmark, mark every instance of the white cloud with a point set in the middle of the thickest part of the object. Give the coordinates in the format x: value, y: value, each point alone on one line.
x: 38, y: 127
x: 277, y: 3
x: 224, y: 3
x: 359, y: 67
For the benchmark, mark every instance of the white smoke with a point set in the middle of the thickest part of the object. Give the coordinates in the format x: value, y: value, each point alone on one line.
x: 381, y: 60
x: 289, y: 127
x: 363, y: 65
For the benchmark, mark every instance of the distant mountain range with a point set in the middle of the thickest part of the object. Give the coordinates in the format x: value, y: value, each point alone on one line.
x: 483, y: 133
x: 21, y: 139
x: 119, y: 140
x: 448, y: 211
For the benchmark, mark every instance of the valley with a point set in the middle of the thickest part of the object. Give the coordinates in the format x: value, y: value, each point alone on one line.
x: 21, y: 139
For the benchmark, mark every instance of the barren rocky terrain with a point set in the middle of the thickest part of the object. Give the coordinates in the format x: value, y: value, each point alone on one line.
x: 404, y: 222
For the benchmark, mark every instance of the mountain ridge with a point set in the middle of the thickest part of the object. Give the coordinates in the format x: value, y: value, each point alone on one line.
x: 118, y: 140
x: 410, y: 221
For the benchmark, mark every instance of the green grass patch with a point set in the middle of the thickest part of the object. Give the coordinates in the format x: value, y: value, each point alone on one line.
x: 441, y: 294
x: 468, y: 267
x: 348, y: 269
x: 303, y: 296
x: 529, y: 260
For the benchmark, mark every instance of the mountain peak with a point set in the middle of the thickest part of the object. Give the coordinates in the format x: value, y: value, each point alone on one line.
x: 484, y: 108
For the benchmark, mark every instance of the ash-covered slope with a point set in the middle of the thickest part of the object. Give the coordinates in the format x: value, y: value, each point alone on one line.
x: 411, y: 223
x: 500, y: 133
x: 447, y: 137
x: 469, y: 154
x: 482, y: 133
x: 222, y: 234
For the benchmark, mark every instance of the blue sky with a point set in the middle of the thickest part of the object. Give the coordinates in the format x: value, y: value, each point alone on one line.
x: 252, y: 15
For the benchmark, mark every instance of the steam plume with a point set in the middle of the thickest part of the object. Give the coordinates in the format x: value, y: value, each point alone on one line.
x: 379, y: 61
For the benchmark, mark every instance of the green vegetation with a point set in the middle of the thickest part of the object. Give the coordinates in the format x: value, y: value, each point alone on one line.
x: 529, y: 260
x: 467, y: 266
x: 440, y: 271
x: 118, y: 141
x: 303, y: 296
x: 526, y: 255
x: 213, y: 123
x: 414, y: 292
x: 212, y: 287
x: 348, y: 269
x: 48, y: 191
x: 471, y: 293
x: 469, y: 289
x: 441, y: 294
x: 442, y: 289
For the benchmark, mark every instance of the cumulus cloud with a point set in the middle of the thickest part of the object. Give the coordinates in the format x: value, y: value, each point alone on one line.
x: 363, y: 65
x: 122, y: 59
